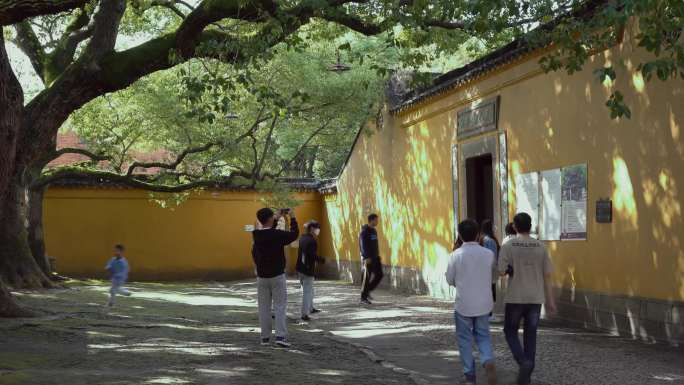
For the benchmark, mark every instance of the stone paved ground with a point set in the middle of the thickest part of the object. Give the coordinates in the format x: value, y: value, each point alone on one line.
x: 416, y: 333
x: 206, y: 334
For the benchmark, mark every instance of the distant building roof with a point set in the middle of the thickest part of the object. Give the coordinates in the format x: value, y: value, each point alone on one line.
x: 495, y: 59
x: 465, y: 74
x: 70, y: 139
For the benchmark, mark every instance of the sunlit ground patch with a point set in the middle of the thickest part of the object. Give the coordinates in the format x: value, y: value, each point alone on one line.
x: 331, y: 372
x: 197, y: 300
x: 379, y: 314
x: 429, y: 310
x: 163, y: 345
x: 669, y: 377
x: 374, y: 329
x: 335, y: 298
x: 167, y: 380
x: 92, y: 333
x: 232, y: 372
x: 446, y: 353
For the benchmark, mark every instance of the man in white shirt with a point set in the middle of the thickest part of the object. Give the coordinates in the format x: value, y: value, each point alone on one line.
x: 470, y: 271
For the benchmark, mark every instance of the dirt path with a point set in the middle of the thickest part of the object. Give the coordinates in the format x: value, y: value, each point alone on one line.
x: 169, y: 334
x: 207, y: 334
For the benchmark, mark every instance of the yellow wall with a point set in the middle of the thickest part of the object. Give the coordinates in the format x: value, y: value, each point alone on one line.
x: 403, y: 172
x: 202, y: 238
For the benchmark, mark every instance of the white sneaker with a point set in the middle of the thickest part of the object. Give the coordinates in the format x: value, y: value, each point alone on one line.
x: 282, y: 342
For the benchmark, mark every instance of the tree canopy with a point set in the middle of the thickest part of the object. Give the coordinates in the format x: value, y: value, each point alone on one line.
x: 267, y: 120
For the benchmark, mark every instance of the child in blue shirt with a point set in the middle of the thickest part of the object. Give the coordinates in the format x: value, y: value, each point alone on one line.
x: 118, y: 270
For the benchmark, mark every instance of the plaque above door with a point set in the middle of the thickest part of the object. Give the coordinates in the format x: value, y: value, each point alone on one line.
x: 478, y: 118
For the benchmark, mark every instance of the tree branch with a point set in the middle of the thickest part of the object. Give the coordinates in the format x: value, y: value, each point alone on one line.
x: 352, y: 22
x: 255, y: 155
x: 12, y: 12
x: 28, y: 43
x: 209, y: 12
x: 131, y: 181
x: 62, y: 56
x: 446, y: 24
x: 260, y: 164
x: 106, y: 28
x: 80, y: 151
x: 301, y: 148
x: 168, y: 4
x: 173, y: 165
x: 88, y: 79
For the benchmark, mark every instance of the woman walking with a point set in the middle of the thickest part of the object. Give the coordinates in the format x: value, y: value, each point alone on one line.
x: 306, y: 266
x: 489, y: 241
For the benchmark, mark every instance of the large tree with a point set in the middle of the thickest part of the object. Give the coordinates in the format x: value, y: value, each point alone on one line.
x: 80, y: 63
x: 292, y: 118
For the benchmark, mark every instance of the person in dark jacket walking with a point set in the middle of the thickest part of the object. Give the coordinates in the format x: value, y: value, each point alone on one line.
x: 269, y: 257
x: 306, y: 266
x: 370, y: 253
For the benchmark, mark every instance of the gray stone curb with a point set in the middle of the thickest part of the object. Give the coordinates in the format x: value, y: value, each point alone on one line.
x: 374, y: 357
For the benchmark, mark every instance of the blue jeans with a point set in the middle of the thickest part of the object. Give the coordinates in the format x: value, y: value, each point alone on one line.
x: 515, y: 313
x: 466, y: 329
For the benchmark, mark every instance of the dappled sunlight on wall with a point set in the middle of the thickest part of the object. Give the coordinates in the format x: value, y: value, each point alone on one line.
x: 403, y: 171
x: 636, y: 162
x: 623, y: 192
x: 675, y: 132
x: 404, y: 176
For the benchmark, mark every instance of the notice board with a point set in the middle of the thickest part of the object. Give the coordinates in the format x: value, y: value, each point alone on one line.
x: 527, y: 197
x: 574, y: 202
x: 550, y: 226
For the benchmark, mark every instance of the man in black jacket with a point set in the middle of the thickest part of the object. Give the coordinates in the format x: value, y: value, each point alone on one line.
x: 269, y: 257
x: 370, y: 253
x: 306, y: 266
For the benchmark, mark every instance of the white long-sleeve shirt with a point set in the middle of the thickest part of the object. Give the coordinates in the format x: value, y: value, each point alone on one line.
x: 470, y: 271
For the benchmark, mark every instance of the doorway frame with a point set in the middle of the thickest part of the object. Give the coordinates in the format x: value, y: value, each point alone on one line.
x: 492, y: 142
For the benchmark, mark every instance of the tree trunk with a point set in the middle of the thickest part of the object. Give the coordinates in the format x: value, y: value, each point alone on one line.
x: 8, y: 306
x: 11, y: 105
x: 18, y: 268
x: 35, y: 230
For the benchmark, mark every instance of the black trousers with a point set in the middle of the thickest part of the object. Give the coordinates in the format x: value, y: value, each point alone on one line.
x: 529, y: 314
x: 372, y: 275
x: 493, y: 297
